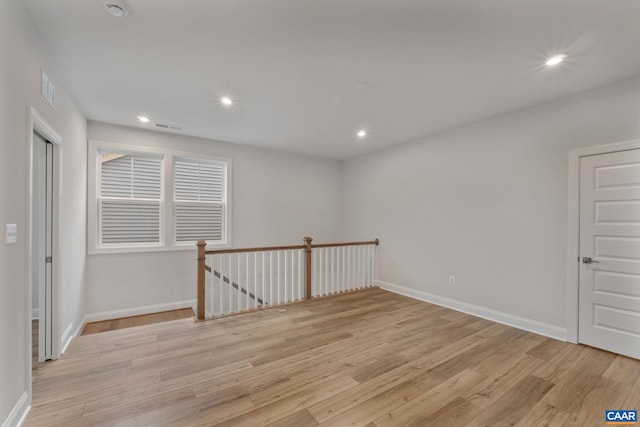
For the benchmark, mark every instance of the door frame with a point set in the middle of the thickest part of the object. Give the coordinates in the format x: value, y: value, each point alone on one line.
x: 36, y: 123
x: 573, y: 262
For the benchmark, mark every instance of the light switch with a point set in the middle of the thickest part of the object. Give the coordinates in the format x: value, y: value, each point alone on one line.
x: 12, y: 234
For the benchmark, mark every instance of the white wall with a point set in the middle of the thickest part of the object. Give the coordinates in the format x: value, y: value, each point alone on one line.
x: 486, y: 203
x: 21, y: 59
x: 277, y: 199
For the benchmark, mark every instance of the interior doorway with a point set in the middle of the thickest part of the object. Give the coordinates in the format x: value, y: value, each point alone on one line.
x: 43, y: 297
x: 42, y: 247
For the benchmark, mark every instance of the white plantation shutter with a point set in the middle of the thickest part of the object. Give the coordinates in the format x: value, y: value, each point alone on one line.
x: 131, y: 176
x: 129, y: 205
x: 130, y: 221
x: 199, y: 200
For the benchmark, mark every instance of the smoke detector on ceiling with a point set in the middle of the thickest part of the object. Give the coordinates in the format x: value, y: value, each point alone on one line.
x: 119, y: 9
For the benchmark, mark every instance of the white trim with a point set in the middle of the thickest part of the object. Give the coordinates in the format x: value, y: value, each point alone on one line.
x: 37, y: 123
x: 535, y: 326
x: 40, y: 125
x: 19, y: 412
x: 78, y: 330
x: 137, y: 311
x: 35, y: 313
x: 66, y: 337
x: 573, y: 235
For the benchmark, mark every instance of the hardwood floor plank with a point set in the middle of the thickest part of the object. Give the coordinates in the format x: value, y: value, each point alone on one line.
x: 458, y: 412
x: 517, y: 402
x: 376, y: 406
x: 632, y: 400
x: 417, y: 410
x: 297, y: 419
x: 543, y: 415
x: 504, y: 377
x: 602, y: 394
x: 363, y: 392
x: 623, y: 370
x: 285, y: 407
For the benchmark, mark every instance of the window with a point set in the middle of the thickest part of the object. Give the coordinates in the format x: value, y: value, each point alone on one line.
x: 146, y: 200
x: 199, y: 194
x: 130, y: 199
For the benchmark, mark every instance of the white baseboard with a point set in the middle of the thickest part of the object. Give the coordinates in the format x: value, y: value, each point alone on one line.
x: 137, y: 311
x: 529, y: 325
x: 35, y: 313
x: 19, y: 412
x: 67, y: 337
x: 79, y: 329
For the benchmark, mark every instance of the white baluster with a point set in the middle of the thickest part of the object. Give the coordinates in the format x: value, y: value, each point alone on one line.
x: 255, y: 280
x: 371, y: 256
x: 326, y: 271
x: 264, y: 298
x: 220, y: 300
x: 239, y: 299
x: 245, y: 282
x: 271, y: 277
x: 278, y: 273
x: 360, y: 265
x: 332, y: 252
x: 367, y: 268
x: 286, y: 284
x: 374, y: 264
x: 300, y: 274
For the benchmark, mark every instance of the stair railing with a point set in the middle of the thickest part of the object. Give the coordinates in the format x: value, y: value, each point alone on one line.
x: 254, y: 278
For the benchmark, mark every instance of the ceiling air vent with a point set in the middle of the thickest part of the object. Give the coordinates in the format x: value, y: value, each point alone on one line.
x: 119, y: 9
x: 165, y: 126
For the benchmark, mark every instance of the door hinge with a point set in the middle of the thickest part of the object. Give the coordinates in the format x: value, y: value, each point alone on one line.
x: 48, y: 260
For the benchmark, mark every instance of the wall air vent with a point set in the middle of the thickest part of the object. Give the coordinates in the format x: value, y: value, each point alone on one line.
x: 166, y: 126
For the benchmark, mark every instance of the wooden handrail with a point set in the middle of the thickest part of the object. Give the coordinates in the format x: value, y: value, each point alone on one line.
x: 288, y: 248
x: 262, y: 249
x: 335, y: 245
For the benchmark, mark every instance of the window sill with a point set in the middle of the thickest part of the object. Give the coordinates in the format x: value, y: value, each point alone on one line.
x: 154, y: 249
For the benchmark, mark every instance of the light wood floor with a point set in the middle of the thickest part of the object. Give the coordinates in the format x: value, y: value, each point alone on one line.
x: 129, y: 322
x: 371, y: 358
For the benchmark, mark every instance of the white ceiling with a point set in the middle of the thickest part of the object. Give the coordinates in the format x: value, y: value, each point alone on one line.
x: 291, y: 65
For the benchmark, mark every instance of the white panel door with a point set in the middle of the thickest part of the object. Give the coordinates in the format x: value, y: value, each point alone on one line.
x: 610, y: 252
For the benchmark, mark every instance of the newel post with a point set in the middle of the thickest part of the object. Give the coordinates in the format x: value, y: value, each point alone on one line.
x: 201, y: 278
x: 307, y: 267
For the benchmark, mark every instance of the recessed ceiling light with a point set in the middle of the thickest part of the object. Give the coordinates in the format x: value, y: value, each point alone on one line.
x: 555, y: 60
x: 119, y: 9
x: 362, y: 133
x: 143, y: 119
x: 225, y: 100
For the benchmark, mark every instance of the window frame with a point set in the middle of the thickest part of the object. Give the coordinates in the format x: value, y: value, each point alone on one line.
x: 168, y: 241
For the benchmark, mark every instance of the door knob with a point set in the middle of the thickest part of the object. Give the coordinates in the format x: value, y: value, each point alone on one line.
x: 589, y: 260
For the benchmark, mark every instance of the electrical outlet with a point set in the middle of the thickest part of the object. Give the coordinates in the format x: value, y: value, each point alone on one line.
x: 12, y: 234
x: 452, y: 280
